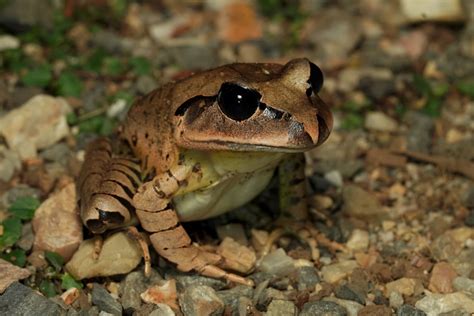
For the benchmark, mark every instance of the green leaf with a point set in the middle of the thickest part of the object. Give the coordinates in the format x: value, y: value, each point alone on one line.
x: 11, y: 232
x: 140, y: 66
x: 72, y: 118
x: 466, y: 88
x: 113, y: 66
x: 69, y: 85
x: 67, y: 282
x: 47, y: 288
x: 94, y: 62
x: 422, y: 85
x: 107, y: 127
x: 352, y: 121
x: 433, y: 107
x: 55, y: 259
x: 24, y: 207
x: 440, y: 89
x: 38, y: 77
x: 17, y: 257
x: 91, y: 125
x: 127, y: 96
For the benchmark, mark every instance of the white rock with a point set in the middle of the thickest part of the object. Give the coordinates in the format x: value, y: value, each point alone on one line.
x: 39, y: 123
x: 335, y: 178
x: 351, y: 306
x: 277, y: 263
x: 464, y: 284
x: 359, y: 240
x: 119, y: 255
x: 435, y: 304
x: 379, y: 121
x: 9, y: 162
x: 432, y: 10
x: 8, y: 42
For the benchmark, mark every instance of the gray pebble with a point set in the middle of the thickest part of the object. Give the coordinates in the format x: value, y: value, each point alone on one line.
x: 323, y: 308
x: 102, y: 299
x: 232, y: 296
x: 200, y: 300
x: 350, y: 292
x: 281, y: 308
x: 20, y: 300
x: 183, y: 281
x: 408, y: 310
x: 307, y: 278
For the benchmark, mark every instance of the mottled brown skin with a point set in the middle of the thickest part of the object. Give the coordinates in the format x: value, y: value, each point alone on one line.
x: 179, y: 138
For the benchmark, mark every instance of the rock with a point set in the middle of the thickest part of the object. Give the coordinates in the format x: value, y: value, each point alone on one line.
x: 235, y: 231
x: 358, y: 240
x: 70, y: 296
x: 464, y: 284
x: 10, y: 273
x: 27, y: 237
x: 361, y: 204
x: 335, y: 272
x: 133, y: 285
x: 420, y: 129
x: 379, y: 121
x: 102, y: 299
x: 323, y: 308
x: 442, y: 277
x: 350, y: 292
x: 277, y: 263
x: 8, y: 42
x: 9, y: 163
x: 306, y: 278
x: 435, y: 304
x: 200, y: 300
x: 119, y: 254
x: 395, y: 299
x: 236, y: 256
x: 57, y: 225
x: 238, y: 22
x: 432, y: 10
x: 162, y: 293
x: 21, y: 300
x: 405, y: 286
x: 48, y: 114
x: 335, y: 178
x: 378, y: 310
x: 280, y: 307
x: 232, y: 296
x: 449, y: 245
x: 145, y: 84
x: 20, y: 15
x: 197, y: 56
x: 408, y: 310
x: 183, y: 281
x: 352, y: 307
x: 162, y: 310
x: 269, y: 294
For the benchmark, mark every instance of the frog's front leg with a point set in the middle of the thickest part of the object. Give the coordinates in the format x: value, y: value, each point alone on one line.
x: 158, y: 216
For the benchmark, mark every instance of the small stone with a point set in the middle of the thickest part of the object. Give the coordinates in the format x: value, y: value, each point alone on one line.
x: 27, y: 237
x: 119, y: 255
x: 358, y: 240
x: 350, y: 292
x: 379, y: 121
x: 277, y: 263
x: 231, y: 296
x: 420, y: 130
x: 21, y: 300
x: 49, y: 115
x: 235, y: 231
x: 435, y: 304
x: 449, y: 245
x: 280, y: 308
x: 395, y: 299
x: 307, y: 278
x: 145, y: 84
x: 269, y: 294
x: 464, y: 284
x: 70, y: 296
x: 433, y: 10
x: 183, y: 281
x: 259, y: 238
x: 164, y: 292
x: 200, y: 300
x: 378, y: 310
x: 162, y: 310
x: 405, y: 286
x: 323, y: 308
x: 8, y: 42
x: 102, y: 299
x: 9, y: 274
x: 408, y: 310
x: 360, y: 203
x: 335, y: 178
x: 236, y: 256
x: 57, y: 225
x: 335, y: 272
x: 352, y: 307
x: 133, y: 285
x: 442, y: 277
x: 9, y: 163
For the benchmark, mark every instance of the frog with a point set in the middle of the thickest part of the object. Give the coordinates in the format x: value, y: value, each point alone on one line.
x: 201, y: 146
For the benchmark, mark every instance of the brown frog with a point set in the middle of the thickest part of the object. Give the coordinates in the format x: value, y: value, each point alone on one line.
x: 203, y: 146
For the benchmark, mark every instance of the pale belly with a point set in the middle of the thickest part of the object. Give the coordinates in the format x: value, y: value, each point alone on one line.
x: 222, y: 197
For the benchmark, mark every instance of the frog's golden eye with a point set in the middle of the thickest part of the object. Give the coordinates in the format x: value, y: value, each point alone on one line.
x: 236, y: 102
x: 315, y: 80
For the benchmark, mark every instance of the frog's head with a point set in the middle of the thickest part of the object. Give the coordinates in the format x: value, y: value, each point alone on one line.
x: 252, y: 107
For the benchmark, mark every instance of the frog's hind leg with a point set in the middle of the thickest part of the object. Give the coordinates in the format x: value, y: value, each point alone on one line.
x: 168, y: 237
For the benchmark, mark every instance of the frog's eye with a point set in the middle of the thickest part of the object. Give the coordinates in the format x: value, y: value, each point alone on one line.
x: 236, y: 102
x: 315, y: 80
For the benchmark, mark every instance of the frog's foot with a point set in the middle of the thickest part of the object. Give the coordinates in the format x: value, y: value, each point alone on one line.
x: 277, y: 234
x: 133, y: 232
